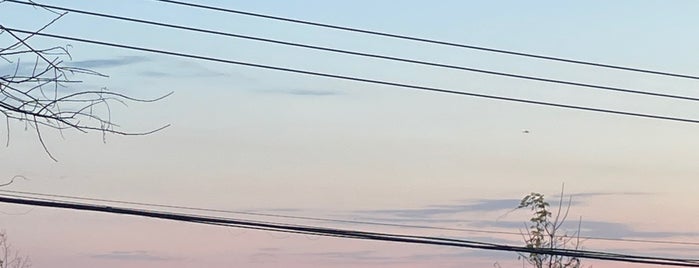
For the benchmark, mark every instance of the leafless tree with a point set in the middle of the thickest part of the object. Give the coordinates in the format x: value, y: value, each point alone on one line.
x: 42, y: 91
x: 10, y: 258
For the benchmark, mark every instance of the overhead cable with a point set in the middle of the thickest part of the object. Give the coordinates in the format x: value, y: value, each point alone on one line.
x: 425, y: 40
x: 356, y: 53
x: 356, y: 79
x: 350, y: 234
x: 359, y: 222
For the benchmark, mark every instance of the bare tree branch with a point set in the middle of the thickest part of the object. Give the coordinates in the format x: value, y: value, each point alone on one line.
x: 43, y: 94
x: 12, y: 180
x: 10, y: 258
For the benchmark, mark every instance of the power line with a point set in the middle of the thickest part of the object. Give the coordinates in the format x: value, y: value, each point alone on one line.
x: 430, y: 41
x: 257, y: 213
x: 356, y: 79
x: 352, y: 234
x: 356, y: 53
x: 335, y: 220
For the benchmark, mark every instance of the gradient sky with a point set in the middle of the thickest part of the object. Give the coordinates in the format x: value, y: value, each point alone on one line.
x: 255, y: 140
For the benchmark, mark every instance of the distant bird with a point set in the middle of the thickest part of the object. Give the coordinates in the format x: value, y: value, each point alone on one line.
x: 525, y: 131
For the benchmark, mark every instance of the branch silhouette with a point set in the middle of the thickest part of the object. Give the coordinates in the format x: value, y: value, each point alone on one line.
x: 44, y: 93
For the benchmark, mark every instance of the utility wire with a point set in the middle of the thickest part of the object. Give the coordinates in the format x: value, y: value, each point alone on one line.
x: 333, y: 220
x: 352, y: 234
x: 257, y: 213
x: 356, y: 53
x: 430, y: 41
x: 356, y: 79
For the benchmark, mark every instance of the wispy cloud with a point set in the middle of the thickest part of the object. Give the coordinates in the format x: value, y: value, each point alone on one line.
x: 303, y: 92
x: 174, y: 73
x: 465, y: 255
x: 591, y: 228
x: 439, y: 212
x: 185, y: 69
x: 276, y: 210
x: 620, y: 230
x: 10, y: 69
x: 483, y: 205
x: 587, y: 195
x: 373, y: 257
x: 392, y: 219
x: 135, y: 255
x: 155, y: 74
x: 351, y: 255
x: 27, y: 68
x: 109, y: 63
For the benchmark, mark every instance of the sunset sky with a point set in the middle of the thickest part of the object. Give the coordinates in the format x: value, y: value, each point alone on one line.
x: 263, y: 141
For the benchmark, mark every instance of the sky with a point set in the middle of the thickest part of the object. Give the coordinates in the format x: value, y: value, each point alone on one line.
x: 254, y: 140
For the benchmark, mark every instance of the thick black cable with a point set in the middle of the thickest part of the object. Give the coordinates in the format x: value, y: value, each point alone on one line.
x: 357, y: 79
x: 430, y: 41
x: 304, y: 229
x: 356, y: 53
x: 321, y: 231
x: 258, y: 213
x: 333, y: 220
x: 340, y: 233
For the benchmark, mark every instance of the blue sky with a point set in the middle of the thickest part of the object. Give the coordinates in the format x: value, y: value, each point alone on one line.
x: 258, y: 140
